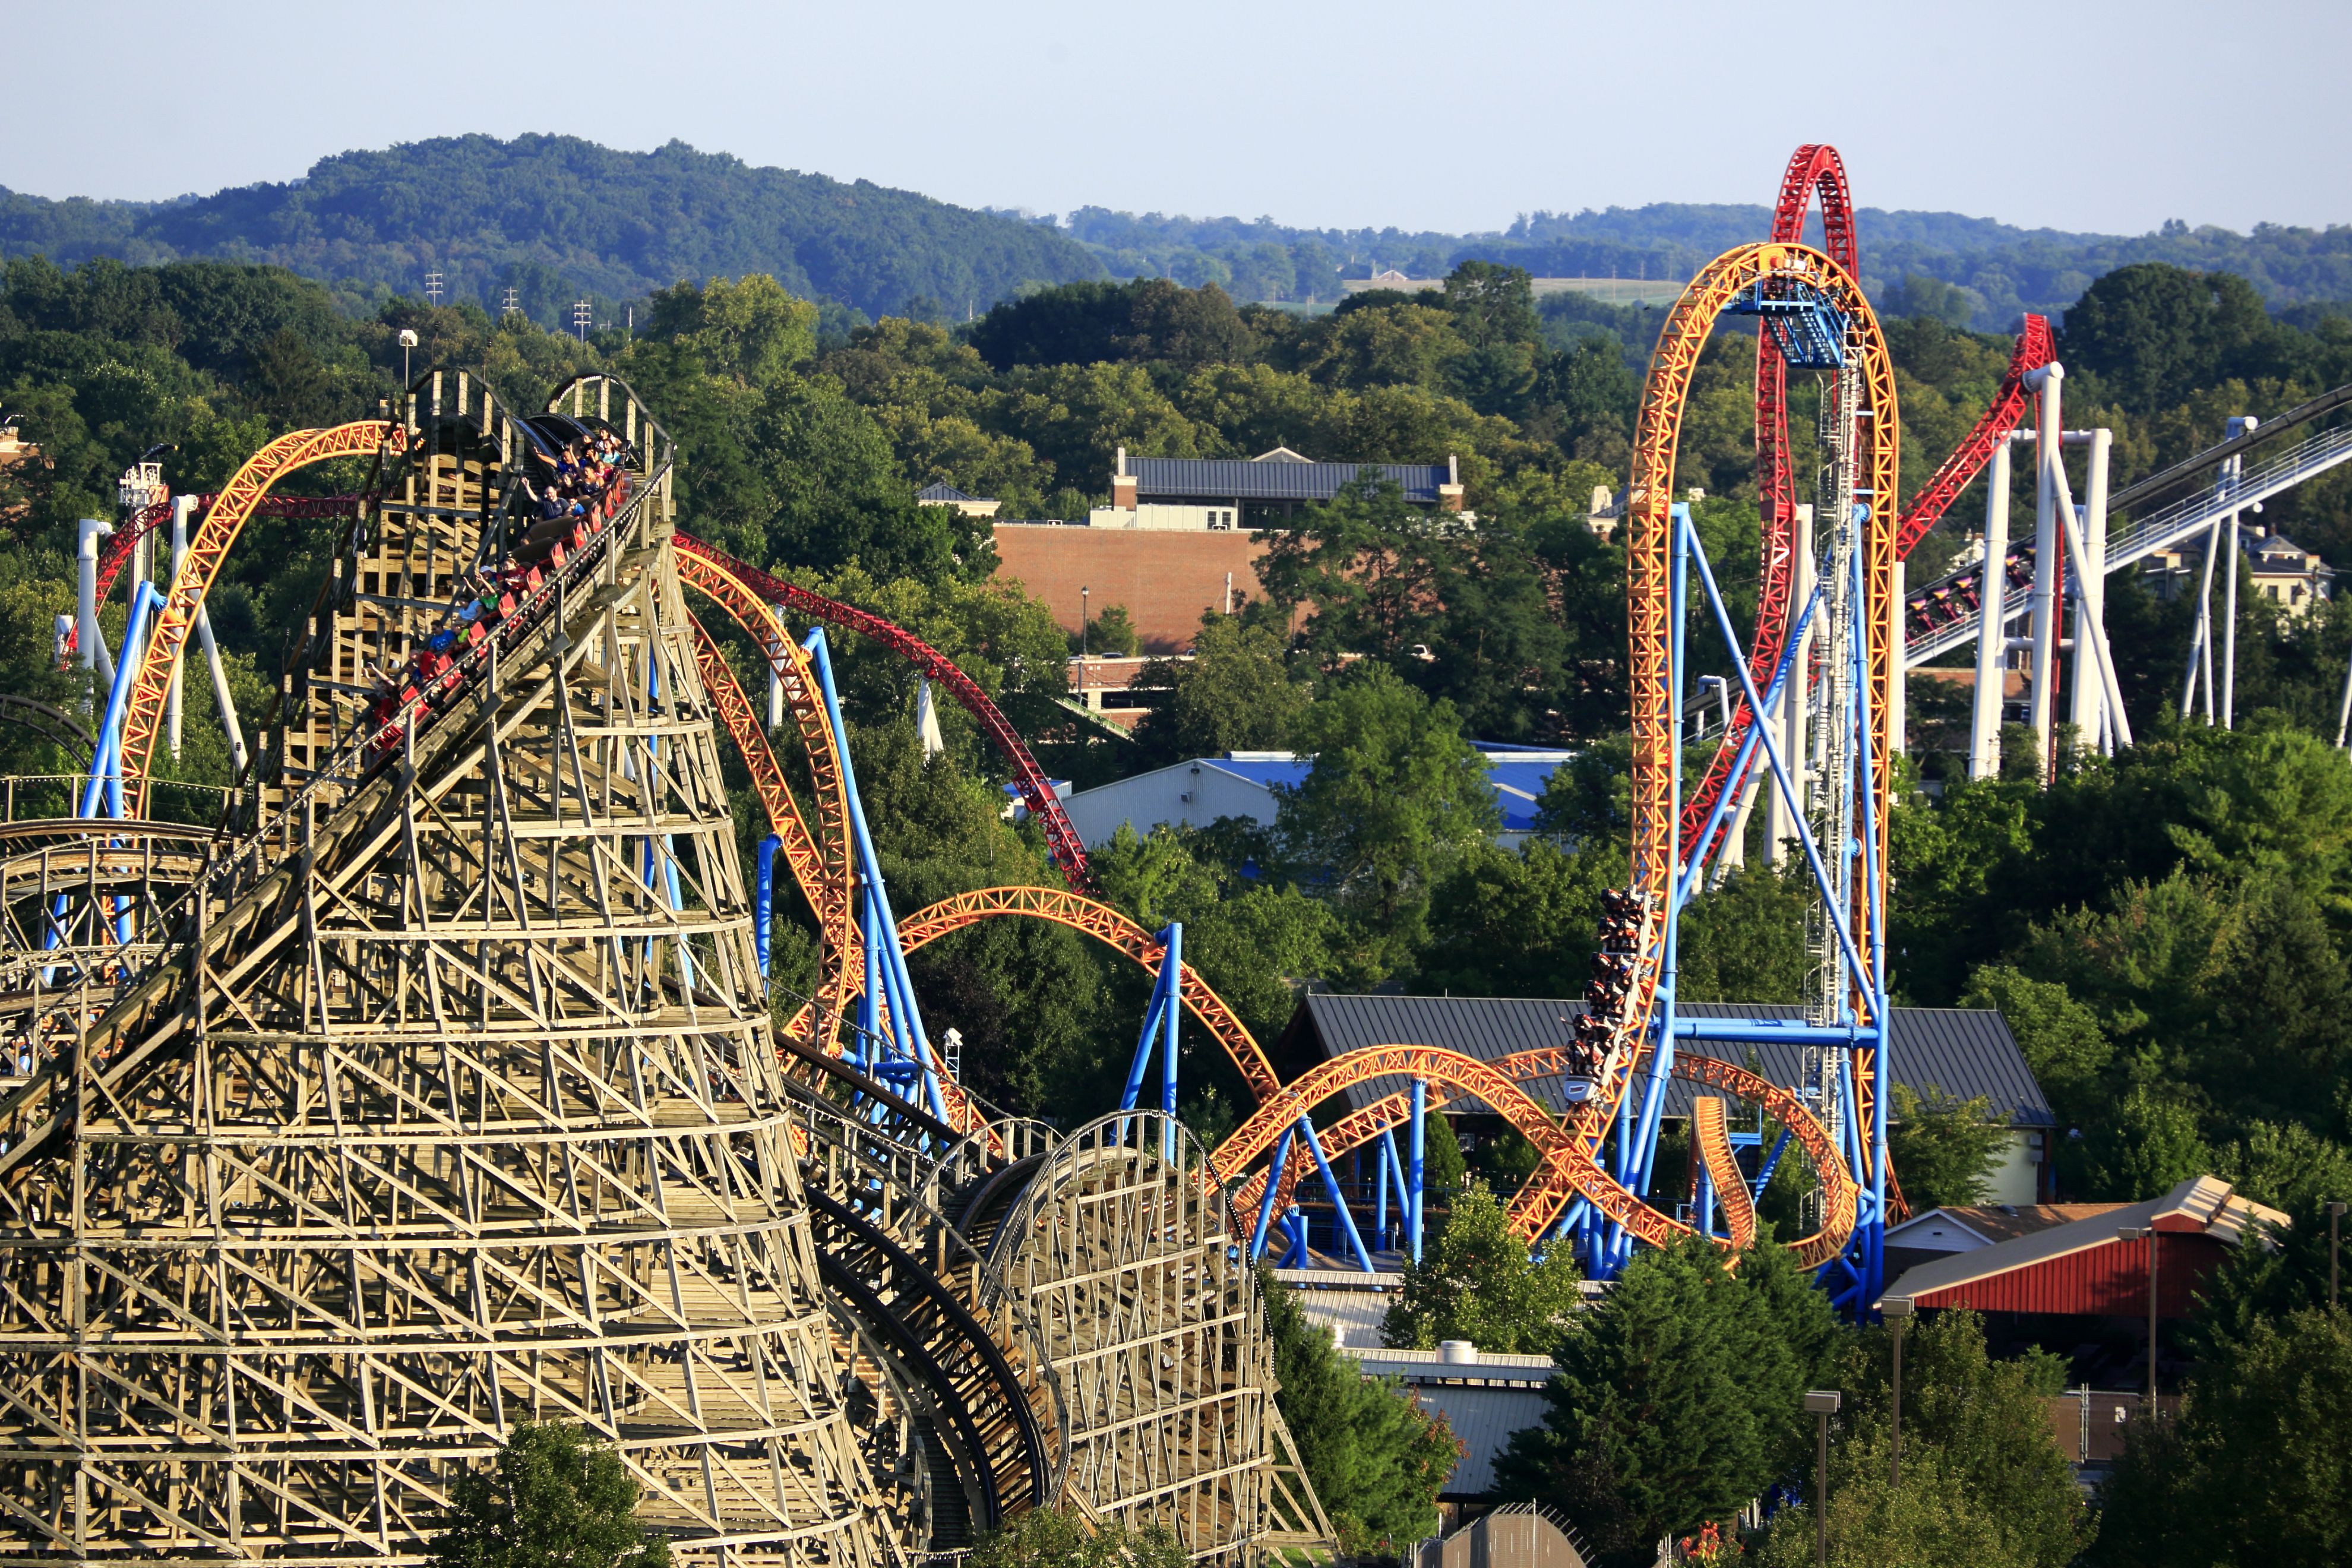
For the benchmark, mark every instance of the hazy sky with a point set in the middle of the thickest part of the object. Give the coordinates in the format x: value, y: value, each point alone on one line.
x: 1453, y: 116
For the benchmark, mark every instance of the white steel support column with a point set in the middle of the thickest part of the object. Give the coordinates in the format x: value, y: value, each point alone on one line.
x: 1779, y: 819
x: 2231, y: 471
x: 775, y: 702
x: 181, y: 507
x: 2050, y: 451
x: 2087, y: 704
x: 94, y: 655
x: 1992, y: 634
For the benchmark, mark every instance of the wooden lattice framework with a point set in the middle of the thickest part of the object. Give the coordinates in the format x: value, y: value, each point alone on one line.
x: 1135, y: 1273
x: 442, y: 1112
x: 436, y: 1089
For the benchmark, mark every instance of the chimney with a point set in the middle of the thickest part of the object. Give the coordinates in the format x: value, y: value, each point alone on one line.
x: 1122, y: 484
x: 1449, y: 494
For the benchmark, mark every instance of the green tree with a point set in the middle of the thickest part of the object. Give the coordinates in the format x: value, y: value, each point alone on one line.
x: 1396, y: 796
x: 1946, y: 1149
x: 1680, y: 1397
x: 1375, y: 1459
x: 1745, y: 940
x: 1110, y: 635
x: 1505, y: 923
x: 1480, y: 1283
x: 2257, y: 1468
x: 1930, y: 1522
x: 1233, y: 695
x: 2144, y: 1146
x: 2060, y: 1036
x: 553, y: 1498
x: 1980, y: 1426
x: 2152, y: 334
x: 1050, y: 1537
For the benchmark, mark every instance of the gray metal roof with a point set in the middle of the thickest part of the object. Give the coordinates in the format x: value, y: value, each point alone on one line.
x: 1484, y: 1420
x: 1962, y: 1051
x: 1204, y: 478
x: 941, y: 490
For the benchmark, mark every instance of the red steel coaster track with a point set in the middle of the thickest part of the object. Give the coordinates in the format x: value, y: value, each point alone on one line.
x: 1813, y: 168
x: 1062, y: 841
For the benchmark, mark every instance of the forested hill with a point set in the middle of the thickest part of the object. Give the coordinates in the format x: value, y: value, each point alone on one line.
x: 552, y: 216
x: 1981, y: 273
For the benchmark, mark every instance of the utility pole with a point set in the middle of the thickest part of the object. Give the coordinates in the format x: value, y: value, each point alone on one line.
x: 1821, y: 1403
x: 1897, y: 1310
x: 433, y: 288
x: 2135, y: 1232
x: 582, y: 313
x: 2335, y: 1217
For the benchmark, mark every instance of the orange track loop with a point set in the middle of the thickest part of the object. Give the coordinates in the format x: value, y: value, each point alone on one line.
x: 1569, y: 1166
x: 1711, y: 1132
x: 1649, y: 542
x: 1101, y: 921
x: 239, y: 498
x: 829, y: 885
x: 1395, y: 1111
x: 825, y: 886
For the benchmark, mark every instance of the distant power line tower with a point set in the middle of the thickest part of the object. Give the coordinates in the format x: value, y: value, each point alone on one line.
x: 513, y: 304
x: 432, y: 287
x: 581, y: 314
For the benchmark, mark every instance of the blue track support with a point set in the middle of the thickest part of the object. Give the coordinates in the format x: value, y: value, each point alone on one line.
x: 1771, y: 1162
x: 105, y: 785
x: 1172, y: 1010
x: 885, y: 959
x: 1386, y: 1155
x: 1780, y: 766
x: 1159, y: 1021
x: 1636, y: 1173
x: 1417, y: 1147
x: 1745, y: 759
x: 1703, y: 1202
x: 1396, y: 1174
x: 1347, y: 1220
x: 764, y: 928
x: 1260, y: 1233
x: 1294, y: 1222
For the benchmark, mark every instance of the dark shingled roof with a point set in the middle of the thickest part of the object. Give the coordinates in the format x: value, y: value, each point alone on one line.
x: 1187, y: 478
x: 1962, y: 1051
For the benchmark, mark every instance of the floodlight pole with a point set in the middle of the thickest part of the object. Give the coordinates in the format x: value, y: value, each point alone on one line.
x: 1897, y: 1310
x: 2335, y: 1216
x: 1823, y: 1403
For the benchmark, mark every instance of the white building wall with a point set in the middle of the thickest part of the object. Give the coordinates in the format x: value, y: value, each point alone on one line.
x: 1188, y: 794
x: 1165, y: 517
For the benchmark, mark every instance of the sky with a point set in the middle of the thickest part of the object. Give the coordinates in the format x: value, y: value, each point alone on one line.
x: 2076, y: 114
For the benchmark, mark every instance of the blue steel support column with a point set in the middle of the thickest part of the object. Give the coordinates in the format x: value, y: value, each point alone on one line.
x: 763, y: 932
x: 1412, y: 1190
x: 1259, y: 1235
x: 1662, y: 1053
x: 1346, y: 1221
x: 1387, y: 1153
x: 1874, y: 1232
x: 1171, y: 1009
x: 892, y: 958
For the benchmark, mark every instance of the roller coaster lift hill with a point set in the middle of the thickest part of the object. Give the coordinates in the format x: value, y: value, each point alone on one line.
x: 486, y: 842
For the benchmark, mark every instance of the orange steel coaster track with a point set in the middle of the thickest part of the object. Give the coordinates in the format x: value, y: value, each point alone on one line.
x: 815, y: 843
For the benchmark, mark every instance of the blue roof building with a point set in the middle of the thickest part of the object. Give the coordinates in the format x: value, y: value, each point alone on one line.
x: 1242, y: 785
